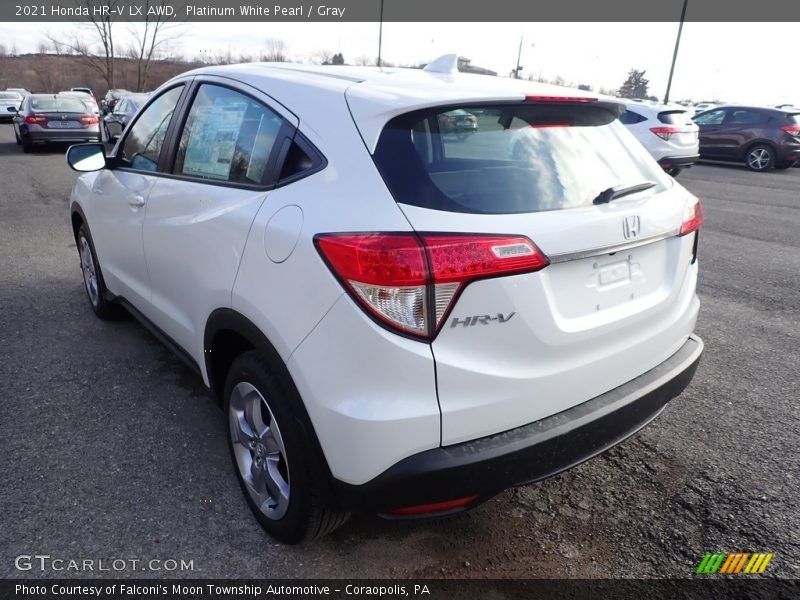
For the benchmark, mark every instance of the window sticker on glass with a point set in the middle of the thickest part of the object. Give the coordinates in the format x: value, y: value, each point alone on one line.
x: 212, y: 145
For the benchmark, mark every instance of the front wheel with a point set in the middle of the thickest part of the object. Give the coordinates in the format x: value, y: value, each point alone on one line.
x: 270, y: 458
x: 26, y: 143
x: 760, y: 158
x: 93, y: 278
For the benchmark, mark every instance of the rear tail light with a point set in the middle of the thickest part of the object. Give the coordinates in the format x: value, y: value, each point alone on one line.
x: 90, y: 119
x: 692, y: 215
x: 665, y: 133
x: 36, y: 119
x: 792, y: 130
x: 409, y: 282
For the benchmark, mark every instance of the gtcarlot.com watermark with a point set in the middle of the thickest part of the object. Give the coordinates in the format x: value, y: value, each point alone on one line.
x: 45, y: 562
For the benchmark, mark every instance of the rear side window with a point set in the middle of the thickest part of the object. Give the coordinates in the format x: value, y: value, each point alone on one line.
x: 793, y: 118
x: 143, y: 143
x: 744, y: 116
x: 510, y: 158
x: 227, y: 137
x: 674, y: 117
x: 630, y: 118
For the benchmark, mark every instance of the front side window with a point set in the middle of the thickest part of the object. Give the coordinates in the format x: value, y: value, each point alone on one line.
x: 227, y: 137
x: 143, y: 143
x: 513, y: 158
x: 713, y: 117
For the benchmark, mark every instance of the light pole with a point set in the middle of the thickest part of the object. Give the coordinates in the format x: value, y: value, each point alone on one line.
x: 519, y: 57
x: 380, y: 36
x: 675, y: 53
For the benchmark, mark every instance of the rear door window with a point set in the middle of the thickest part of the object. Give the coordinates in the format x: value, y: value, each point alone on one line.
x: 510, y: 158
x: 227, y: 137
x: 745, y: 116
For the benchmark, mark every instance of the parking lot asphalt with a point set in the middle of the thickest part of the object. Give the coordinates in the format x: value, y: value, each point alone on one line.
x: 111, y: 448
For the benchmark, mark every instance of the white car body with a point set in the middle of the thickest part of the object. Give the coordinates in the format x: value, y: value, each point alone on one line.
x: 666, y: 131
x: 512, y: 352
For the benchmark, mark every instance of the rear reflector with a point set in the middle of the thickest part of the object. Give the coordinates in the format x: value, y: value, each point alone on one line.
x: 692, y: 215
x: 409, y: 281
x: 435, y: 507
x: 559, y: 99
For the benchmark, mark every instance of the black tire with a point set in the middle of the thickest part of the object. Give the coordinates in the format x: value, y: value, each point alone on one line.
x: 16, y: 135
x: 301, y: 517
x: 760, y: 158
x: 784, y: 165
x: 27, y: 145
x: 96, y: 292
x: 674, y: 172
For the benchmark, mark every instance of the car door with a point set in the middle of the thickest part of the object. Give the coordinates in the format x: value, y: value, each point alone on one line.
x: 115, y: 120
x: 711, y: 132
x: 741, y: 126
x: 198, y: 219
x: 116, y: 208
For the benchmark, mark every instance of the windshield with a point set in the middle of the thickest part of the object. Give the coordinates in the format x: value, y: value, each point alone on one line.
x: 8, y: 96
x: 511, y: 158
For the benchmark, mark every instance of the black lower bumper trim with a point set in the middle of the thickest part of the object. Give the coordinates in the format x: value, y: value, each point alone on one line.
x: 678, y: 162
x: 529, y: 453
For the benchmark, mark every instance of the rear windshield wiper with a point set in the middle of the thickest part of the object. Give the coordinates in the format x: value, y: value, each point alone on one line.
x: 613, y: 193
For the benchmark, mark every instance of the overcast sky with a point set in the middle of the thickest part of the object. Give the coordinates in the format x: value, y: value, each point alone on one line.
x: 735, y: 62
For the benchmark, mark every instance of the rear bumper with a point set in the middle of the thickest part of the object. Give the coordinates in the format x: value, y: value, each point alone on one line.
x: 91, y: 133
x: 678, y: 162
x: 487, y: 466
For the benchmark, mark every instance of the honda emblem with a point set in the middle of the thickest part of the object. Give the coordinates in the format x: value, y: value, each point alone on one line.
x: 631, y: 227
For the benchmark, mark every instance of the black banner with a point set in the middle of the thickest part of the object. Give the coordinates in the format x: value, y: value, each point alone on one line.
x: 440, y: 11
x: 700, y: 588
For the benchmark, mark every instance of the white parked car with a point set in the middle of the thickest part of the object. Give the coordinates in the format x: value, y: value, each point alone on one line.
x: 9, y: 105
x: 667, y: 131
x: 396, y: 321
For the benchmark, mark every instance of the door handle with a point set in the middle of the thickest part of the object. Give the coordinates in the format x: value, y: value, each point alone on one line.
x: 136, y: 200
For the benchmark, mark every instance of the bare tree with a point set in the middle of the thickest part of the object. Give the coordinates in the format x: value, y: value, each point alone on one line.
x: 323, y: 57
x: 3, y: 51
x: 366, y: 61
x: 151, y: 38
x: 90, y: 37
x: 275, y: 50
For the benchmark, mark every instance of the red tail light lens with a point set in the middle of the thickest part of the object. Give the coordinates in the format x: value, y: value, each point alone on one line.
x: 90, y: 119
x: 36, y: 119
x: 665, y: 133
x: 692, y: 215
x: 409, y: 282
x: 792, y: 130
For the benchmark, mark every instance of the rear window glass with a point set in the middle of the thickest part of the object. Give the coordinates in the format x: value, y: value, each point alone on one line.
x: 675, y: 117
x: 510, y: 158
x: 793, y: 118
x: 57, y: 105
x: 8, y: 96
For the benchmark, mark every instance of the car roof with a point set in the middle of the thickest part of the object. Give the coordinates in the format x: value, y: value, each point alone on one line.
x: 654, y: 107
x: 377, y: 94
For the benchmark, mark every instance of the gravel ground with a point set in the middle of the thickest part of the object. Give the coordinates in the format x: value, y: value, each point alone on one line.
x: 111, y: 448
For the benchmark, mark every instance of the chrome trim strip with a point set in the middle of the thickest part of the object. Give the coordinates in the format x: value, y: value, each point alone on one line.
x: 567, y: 256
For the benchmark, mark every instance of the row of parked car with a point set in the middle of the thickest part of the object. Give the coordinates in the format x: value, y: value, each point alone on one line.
x: 760, y: 137
x: 68, y: 116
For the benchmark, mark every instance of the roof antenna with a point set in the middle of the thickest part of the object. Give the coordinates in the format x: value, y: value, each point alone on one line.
x: 447, y: 63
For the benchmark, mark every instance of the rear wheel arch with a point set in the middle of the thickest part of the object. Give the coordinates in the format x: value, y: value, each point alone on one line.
x: 228, y: 335
x: 759, y: 142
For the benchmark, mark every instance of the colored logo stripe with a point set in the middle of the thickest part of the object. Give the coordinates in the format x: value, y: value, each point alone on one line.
x: 734, y: 562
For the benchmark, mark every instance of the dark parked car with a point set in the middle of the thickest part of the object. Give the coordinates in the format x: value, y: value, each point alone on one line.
x: 111, y: 98
x: 762, y: 138
x: 458, y: 122
x: 114, y: 123
x: 53, y: 118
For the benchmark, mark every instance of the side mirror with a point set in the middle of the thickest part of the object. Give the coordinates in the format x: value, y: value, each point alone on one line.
x: 11, y: 109
x: 86, y: 157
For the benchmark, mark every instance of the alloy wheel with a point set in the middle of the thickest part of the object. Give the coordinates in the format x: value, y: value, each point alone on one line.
x: 89, y: 272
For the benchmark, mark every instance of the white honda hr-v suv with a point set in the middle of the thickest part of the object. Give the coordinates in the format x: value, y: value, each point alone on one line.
x: 396, y: 320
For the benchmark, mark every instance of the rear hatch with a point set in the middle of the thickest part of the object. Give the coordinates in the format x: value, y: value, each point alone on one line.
x: 617, y: 297
x: 678, y: 129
